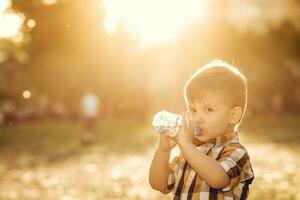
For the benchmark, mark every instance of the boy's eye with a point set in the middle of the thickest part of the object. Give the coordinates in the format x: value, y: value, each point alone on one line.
x: 208, y: 109
x: 193, y: 110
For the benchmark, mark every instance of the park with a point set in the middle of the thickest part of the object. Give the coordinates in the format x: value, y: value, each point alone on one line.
x: 131, y: 59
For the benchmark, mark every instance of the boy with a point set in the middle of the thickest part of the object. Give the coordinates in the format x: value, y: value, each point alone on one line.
x: 213, y: 165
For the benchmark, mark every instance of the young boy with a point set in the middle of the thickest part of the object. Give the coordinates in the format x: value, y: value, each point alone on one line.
x: 213, y: 165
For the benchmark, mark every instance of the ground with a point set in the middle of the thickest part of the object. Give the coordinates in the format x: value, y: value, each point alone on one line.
x: 44, y: 159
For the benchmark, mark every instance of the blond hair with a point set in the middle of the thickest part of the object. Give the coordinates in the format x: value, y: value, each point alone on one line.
x: 221, y: 77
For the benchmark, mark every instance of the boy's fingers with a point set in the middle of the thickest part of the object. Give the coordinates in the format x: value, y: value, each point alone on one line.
x: 197, y: 137
x: 193, y: 123
x: 177, y: 127
x: 189, y: 121
x: 183, y: 120
x: 177, y: 124
x: 186, y: 120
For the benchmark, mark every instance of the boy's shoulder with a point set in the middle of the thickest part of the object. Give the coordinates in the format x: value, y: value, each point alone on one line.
x: 230, y: 146
x: 235, y: 145
x: 232, y: 142
x: 233, y: 150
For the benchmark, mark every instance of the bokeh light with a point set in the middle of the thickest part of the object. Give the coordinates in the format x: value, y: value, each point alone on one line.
x: 26, y: 94
x: 31, y: 23
x: 10, y: 22
x: 4, y: 4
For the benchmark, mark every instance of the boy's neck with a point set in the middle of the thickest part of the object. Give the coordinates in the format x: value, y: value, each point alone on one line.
x: 230, y: 130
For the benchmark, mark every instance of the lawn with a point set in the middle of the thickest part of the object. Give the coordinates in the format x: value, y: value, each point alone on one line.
x: 44, y: 160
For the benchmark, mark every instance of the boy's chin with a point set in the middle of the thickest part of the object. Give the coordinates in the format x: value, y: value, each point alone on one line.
x: 202, y: 138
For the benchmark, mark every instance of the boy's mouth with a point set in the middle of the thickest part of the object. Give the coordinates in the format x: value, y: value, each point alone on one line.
x: 199, y: 131
x: 202, y: 131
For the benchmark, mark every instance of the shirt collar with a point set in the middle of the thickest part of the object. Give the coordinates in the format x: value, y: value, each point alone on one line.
x: 219, y: 141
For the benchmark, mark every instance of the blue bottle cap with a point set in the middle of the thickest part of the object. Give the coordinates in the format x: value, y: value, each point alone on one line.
x: 197, y: 131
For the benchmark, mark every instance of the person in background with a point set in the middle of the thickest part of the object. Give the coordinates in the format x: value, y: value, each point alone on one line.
x: 90, y: 108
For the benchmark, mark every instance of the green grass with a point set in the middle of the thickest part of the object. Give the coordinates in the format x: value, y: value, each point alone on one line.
x: 40, y: 137
x: 57, y: 140
x: 284, y: 128
x: 125, y: 136
x: 34, y: 152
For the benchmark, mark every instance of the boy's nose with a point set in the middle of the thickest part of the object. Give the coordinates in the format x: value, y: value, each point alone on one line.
x: 198, y: 119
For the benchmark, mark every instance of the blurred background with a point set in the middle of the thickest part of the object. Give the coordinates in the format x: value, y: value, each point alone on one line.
x: 133, y: 57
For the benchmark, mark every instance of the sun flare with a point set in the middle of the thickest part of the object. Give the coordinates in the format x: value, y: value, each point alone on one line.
x: 151, y: 21
x: 10, y: 22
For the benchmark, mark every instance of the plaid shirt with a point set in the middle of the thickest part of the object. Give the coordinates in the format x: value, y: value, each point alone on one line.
x: 231, y: 155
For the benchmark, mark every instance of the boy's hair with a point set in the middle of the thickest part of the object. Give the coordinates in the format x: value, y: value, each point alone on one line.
x: 222, y: 78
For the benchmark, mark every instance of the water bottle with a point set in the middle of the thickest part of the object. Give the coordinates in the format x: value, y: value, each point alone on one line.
x: 166, y: 123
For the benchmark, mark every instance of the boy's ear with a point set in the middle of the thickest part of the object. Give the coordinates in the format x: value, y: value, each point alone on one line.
x: 235, y: 115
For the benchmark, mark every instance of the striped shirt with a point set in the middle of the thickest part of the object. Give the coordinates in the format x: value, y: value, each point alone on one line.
x: 184, y: 183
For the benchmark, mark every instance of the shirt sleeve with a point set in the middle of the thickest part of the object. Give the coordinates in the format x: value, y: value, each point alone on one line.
x: 173, y: 167
x: 236, y: 162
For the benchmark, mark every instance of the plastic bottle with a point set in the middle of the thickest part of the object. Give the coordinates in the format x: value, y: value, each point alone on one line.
x: 166, y: 123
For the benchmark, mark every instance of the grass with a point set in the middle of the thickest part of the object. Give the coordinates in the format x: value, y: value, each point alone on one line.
x: 44, y: 159
x: 283, y: 128
x: 56, y: 140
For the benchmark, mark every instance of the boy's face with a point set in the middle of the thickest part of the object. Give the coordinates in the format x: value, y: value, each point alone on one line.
x: 212, y: 115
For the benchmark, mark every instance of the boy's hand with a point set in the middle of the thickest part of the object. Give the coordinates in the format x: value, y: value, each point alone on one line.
x: 186, y: 132
x: 166, y: 143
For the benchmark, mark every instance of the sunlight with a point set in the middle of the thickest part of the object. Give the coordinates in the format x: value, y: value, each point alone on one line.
x: 4, y: 4
x: 10, y: 22
x: 151, y: 21
x: 49, y: 2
